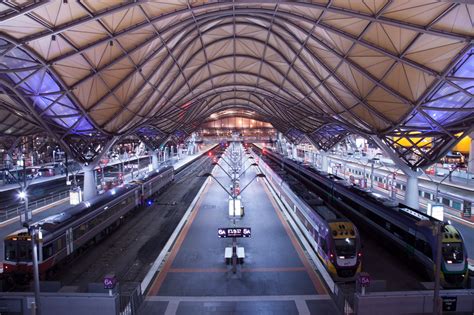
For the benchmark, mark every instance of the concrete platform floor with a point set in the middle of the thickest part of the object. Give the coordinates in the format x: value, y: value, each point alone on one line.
x: 275, y: 278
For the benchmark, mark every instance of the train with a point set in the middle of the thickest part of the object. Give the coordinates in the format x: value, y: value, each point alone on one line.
x: 456, y: 198
x: 67, y: 233
x: 334, y: 238
x: 408, y: 229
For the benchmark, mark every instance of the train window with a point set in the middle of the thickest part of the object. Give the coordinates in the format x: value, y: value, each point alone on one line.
x: 345, y: 247
x: 424, y: 247
x: 24, y: 250
x: 59, y: 244
x: 453, y: 253
x: 445, y: 201
x: 315, y: 234
x: 457, y: 205
x: 47, y: 251
x: 10, y: 250
x: 323, y: 245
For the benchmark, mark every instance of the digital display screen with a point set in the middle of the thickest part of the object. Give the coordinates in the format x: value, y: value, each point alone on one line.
x: 234, y: 232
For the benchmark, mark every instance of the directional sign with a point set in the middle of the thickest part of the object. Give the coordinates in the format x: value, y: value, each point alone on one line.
x: 234, y: 232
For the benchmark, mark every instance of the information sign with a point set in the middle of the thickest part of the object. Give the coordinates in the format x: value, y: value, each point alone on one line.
x: 234, y: 232
x: 436, y: 211
x: 449, y: 303
x: 109, y: 282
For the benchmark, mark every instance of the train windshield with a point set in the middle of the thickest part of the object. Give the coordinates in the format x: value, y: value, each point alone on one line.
x: 17, y: 250
x: 453, y: 253
x: 345, y: 247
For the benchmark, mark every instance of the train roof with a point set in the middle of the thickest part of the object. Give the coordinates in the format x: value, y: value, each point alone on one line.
x: 326, y: 213
x: 446, y: 187
x: 50, y: 223
x: 460, y: 193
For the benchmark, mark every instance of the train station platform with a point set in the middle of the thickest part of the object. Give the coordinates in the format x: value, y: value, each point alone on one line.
x: 275, y: 278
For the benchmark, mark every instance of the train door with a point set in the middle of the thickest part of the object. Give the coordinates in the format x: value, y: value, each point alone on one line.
x: 466, y: 209
x: 69, y: 241
x: 137, y: 198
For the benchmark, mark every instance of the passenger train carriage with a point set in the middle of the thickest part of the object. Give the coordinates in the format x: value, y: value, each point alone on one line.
x: 401, y: 225
x: 335, y: 239
x: 67, y: 232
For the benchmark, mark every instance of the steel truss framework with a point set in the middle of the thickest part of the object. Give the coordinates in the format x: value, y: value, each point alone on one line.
x: 89, y: 72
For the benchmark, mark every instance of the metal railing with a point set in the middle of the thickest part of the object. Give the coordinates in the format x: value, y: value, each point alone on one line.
x: 131, y: 298
x: 12, y: 212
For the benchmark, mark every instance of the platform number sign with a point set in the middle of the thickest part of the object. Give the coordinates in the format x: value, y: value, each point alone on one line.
x: 364, y: 279
x: 109, y: 282
x: 234, y: 232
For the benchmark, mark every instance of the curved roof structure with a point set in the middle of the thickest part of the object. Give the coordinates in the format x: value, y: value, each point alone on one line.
x: 322, y: 68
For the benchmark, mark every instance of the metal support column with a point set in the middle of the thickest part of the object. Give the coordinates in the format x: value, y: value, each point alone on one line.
x: 470, y: 165
x: 154, y: 160
x: 34, y: 239
x: 324, y: 161
x: 411, y: 193
x: 90, y: 184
